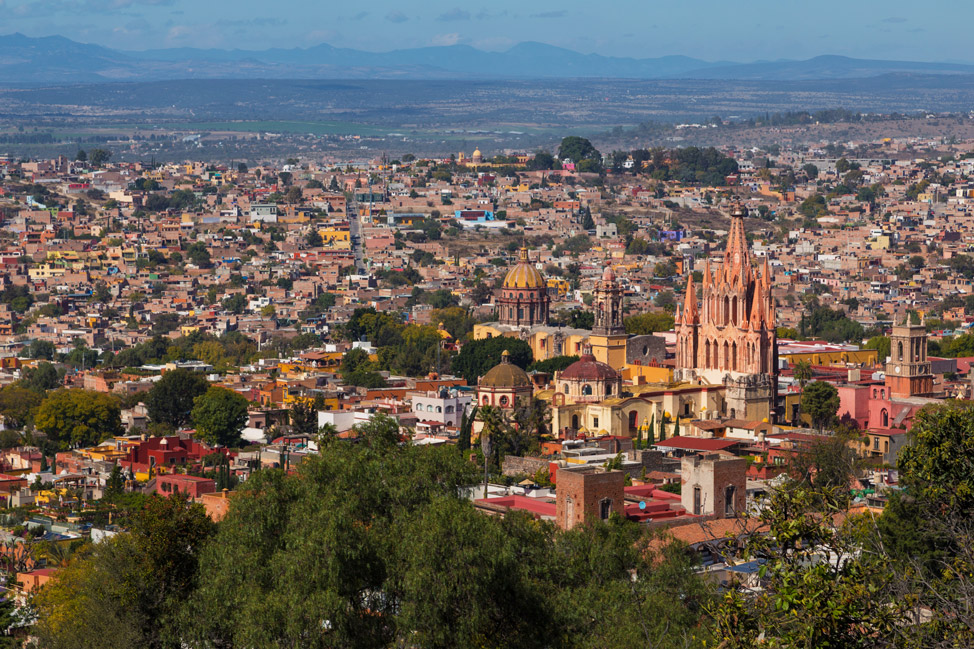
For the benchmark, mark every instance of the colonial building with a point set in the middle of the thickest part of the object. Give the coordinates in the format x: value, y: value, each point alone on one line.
x: 729, y: 338
x: 523, y: 299
x: 505, y: 385
x: 908, y: 370
x: 608, y: 339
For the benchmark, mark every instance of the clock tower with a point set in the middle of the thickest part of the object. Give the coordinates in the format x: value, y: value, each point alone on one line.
x: 908, y: 370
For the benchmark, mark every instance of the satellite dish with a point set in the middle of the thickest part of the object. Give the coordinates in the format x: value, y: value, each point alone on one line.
x: 642, y: 504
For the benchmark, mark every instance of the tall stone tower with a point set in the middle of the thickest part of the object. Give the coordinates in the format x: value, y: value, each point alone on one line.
x: 608, y: 338
x: 729, y: 339
x: 908, y: 370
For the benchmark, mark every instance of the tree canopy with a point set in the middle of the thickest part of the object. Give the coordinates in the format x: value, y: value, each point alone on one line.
x: 170, y: 401
x: 219, y: 415
x: 72, y: 418
x: 478, y: 356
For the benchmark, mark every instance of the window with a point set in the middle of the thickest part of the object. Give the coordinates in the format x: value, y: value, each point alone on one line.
x: 875, y: 443
x: 449, y: 410
x: 575, y: 422
x: 503, y: 401
x: 486, y: 400
x: 696, y: 501
x: 564, y: 388
x: 587, y: 389
x: 884, y: 418
x: 439, y: 409
x: 886, y: 447
x: 633, y: 419
x: 595, y: 423
x: 605, y: 508
x: 730, y: 493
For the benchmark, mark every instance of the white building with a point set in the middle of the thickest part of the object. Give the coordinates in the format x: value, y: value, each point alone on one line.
x: 443, y: 406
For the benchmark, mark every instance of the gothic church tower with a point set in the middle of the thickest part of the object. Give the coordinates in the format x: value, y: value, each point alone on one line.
x: 729, y: 338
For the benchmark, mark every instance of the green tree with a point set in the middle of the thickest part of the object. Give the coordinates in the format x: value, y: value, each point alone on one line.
x: 219, y: 415
x: 41, y: 349
x: 578, y: 150
x: 648, y: 323
x: 803, y: 372
x: 304, y: 418
x: 882, y: 346
x: 554, y: 364
x: 73, y: 418
x: 18, y: 405
x: 359, y: 370
x: 478, y: 356
x: 819, y: 589
x: 98, y: 157
x: 128, y: 591
x: 820, y: 401
x: 170, y: 401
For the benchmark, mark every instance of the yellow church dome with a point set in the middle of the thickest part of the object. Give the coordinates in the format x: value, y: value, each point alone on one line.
x: 524, y: 275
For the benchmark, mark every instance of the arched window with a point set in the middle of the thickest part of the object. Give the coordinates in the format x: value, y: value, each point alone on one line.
x: 726, y: 309
x: 726, y: 356
x: 706, y: 347
x: 504, y: 401
x: 448, y: 410
x: 899, y: 351
x: 734, y: 350
x: 882, y: 393
x: 429, y: 408
x: 884, y: 418
x: 734, y: 311
x: 587, y: 389
x: 633, y: 420
x: 575, y: 422
x: 418, y: 407
x: 439, y: 409
x: 875, y: 393
x: 608, y: 389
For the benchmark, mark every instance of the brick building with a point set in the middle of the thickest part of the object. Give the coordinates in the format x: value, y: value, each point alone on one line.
x: 713, y: 486
x: 590, y: 493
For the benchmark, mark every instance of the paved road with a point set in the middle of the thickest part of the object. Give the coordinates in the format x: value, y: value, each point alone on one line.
x: 355, y: 230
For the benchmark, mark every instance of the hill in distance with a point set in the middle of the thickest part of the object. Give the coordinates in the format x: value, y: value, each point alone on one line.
x: 56, y: 59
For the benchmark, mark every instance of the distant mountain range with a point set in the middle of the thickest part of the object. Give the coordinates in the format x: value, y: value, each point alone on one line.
x: 55, y: 59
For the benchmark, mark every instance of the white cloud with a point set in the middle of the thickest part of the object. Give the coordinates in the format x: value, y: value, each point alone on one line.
x: 446, y: 39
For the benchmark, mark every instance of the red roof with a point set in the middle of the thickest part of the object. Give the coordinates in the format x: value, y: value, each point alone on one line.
x: 532, y: 505
x: 700, y: 443
x: 588, y: 369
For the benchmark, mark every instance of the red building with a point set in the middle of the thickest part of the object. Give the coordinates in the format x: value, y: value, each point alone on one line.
x: 191, y: 485
x: 164, y: 451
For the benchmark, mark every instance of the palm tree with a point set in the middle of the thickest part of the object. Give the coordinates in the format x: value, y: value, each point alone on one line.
x: 803, y: 372
x: 54, y: 554
x: 493, y: 427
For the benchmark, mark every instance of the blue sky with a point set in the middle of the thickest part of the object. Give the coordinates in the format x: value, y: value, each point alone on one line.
x: 707, y: 29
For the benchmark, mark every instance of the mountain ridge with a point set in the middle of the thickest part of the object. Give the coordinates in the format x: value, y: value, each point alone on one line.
x: 58, y: 59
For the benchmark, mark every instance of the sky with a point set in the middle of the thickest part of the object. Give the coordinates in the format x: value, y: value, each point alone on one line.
x: 707, y: 29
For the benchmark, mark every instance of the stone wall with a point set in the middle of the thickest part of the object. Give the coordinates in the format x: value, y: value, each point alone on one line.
x: 513, y: 465
x: 645, y: 350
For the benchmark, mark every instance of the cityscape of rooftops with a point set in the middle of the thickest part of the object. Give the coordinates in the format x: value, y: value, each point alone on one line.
x: 435, y: 326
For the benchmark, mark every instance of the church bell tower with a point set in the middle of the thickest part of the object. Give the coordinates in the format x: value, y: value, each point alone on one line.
x: 908, y: 370
x: 608, y: 339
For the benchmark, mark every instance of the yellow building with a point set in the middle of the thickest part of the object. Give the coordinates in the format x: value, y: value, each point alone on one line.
x: 336, y: 237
